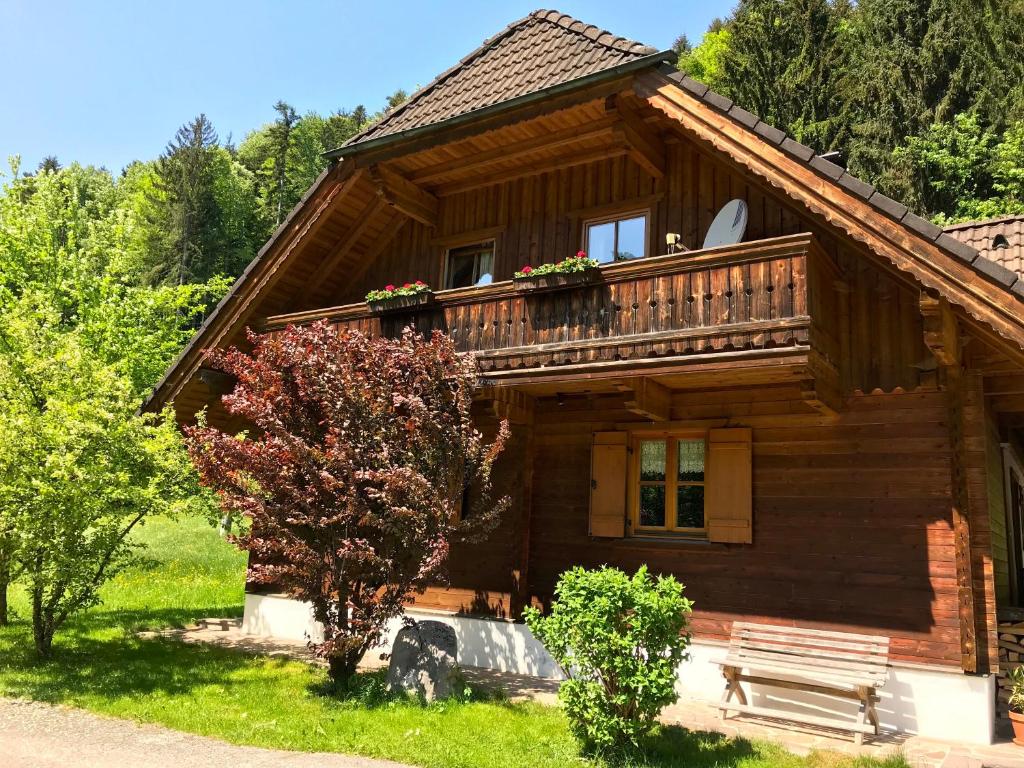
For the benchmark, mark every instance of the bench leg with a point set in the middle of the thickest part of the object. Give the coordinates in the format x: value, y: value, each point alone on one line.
x: 732, y: 686
x: 858, y: 737
x: 872, y: 712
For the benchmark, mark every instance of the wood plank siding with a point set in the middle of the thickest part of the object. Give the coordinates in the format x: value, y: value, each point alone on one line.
x: 876, y: 472
x: 852, y: 520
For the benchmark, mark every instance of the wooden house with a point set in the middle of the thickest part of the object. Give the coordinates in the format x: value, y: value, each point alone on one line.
x: 816, y: 427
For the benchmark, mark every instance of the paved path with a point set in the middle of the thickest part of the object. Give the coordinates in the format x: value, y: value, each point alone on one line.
x: 36, y: 735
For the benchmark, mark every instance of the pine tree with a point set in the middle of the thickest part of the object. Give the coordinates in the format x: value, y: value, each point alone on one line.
x: 182, y: 179
x: 281, y: 136
x: 785, y: 61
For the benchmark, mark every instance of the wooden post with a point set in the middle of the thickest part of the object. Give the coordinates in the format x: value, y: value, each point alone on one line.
x: 941, y: 336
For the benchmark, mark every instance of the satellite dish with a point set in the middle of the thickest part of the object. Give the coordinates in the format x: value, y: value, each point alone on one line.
x: 728, y: 226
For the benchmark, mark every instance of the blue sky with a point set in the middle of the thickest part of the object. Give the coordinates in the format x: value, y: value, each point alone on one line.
x: 109, y: 81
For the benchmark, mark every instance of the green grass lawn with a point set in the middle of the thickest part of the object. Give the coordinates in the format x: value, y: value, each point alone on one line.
x: 101, y: 666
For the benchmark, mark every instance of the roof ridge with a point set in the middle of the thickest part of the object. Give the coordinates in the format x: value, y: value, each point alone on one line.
x: 486, y: 45
x: 592, y: 32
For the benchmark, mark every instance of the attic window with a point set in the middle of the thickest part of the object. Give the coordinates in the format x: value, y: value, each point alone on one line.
x: 1000, y: 241
x: 616, y: 238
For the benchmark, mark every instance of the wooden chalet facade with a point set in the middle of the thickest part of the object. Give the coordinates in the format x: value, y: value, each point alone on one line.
x: 817, y: 426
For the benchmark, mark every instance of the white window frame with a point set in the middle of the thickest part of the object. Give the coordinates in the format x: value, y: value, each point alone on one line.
x: 615, y: 218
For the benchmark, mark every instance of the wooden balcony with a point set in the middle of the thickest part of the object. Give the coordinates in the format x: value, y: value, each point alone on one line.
x: 764, y: 295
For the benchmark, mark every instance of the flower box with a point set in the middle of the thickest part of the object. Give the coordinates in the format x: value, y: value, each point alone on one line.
x: 554, y: 280
x: 401, y: 303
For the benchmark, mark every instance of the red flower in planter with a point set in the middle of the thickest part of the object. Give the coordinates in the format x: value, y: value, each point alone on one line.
x: 389, y: 287
x: 526, y: 270
x: 581, y: 254
x: 407, y: 285
x: 420, y: 282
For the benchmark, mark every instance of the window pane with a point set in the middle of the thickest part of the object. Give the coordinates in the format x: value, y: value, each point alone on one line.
x: 460, y: 269
x: 691, y: 461
x: 690, y: 506
x: 601, y: 241
x: 485, y: 268
x: 632, y: 236
x: 652, y: 460
x: 652, y: 505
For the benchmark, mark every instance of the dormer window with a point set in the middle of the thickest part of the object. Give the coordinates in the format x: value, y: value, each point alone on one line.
x: 470, y: 265
x: 1000, y: 241
x: 616, y: 238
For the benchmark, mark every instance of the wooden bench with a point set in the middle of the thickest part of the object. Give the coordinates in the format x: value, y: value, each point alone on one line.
x: 833, y: 663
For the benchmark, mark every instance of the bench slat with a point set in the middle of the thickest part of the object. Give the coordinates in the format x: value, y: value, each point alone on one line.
x: 838, y: 655
x: 799, y: 632
x: 814, y: 658
x: 813, y: 663
x: 798, y: 671
x: 750, y: 635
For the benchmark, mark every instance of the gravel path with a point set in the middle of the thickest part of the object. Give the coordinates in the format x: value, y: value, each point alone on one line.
x: 34, y: 735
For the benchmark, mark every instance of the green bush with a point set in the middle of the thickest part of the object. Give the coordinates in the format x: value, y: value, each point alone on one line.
x: 619, y: 640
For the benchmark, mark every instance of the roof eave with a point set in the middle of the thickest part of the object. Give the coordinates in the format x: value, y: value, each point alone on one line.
x: 526, y: 99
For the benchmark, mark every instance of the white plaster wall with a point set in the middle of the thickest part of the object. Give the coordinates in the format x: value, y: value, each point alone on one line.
x: 915, y: 700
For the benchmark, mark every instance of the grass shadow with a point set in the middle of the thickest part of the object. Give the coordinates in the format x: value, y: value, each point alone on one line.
x: 103, y: 659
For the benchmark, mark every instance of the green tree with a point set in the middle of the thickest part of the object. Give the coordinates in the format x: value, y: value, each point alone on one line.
x: 961, y: 170
x: 916, y: 63
x: 80, y: 342
x: 199, y: 212
x: 704, y: 62
x: 281, y: 136
x: 784, y: 60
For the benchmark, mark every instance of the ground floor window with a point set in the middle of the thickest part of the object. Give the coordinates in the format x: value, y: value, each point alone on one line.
x: 668, y: 484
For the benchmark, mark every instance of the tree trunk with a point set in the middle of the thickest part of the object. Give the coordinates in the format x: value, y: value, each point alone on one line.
x: 342, y: 668
x: 5, y: 582
x: 42, y: 627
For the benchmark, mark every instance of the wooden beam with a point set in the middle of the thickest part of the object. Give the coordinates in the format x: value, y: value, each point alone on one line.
x: 645, y: 146
x: 646, y: 397
x: 217, y: 381
x: 402, y: 195
x: 480, y: 161
x: 941, y: 334
x: 568, y: 160
x: 821, y: 397
x: 359, y: 226
x: 508, y: 404
x: 391, y: 226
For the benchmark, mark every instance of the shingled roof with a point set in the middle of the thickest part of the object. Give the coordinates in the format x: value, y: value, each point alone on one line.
x: 542, y: 50
x: 998, y: 240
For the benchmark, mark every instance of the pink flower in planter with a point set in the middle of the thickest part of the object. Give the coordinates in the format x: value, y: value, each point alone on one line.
x: 389, y: 287
x: 420, y: 283
x: 526, y: 270
x: 581, y: 254
x: 407, y: 285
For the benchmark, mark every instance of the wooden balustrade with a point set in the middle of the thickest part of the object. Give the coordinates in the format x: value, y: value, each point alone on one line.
x: 756, y: 295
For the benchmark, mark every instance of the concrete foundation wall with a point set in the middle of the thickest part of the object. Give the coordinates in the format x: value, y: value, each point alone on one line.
x: 915, y: 700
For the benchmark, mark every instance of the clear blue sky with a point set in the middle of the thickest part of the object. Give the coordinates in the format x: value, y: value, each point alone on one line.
x: 108, y: 81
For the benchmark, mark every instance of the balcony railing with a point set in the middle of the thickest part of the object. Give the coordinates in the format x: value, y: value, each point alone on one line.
x: 757, y: 295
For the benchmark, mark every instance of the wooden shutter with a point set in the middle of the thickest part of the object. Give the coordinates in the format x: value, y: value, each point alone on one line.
x: 729, y: 492
x: 608, y: 485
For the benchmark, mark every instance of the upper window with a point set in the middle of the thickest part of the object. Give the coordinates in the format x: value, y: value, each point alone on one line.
x: 470, y: 265
x: 616, y: 238
x: 668, y: 487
